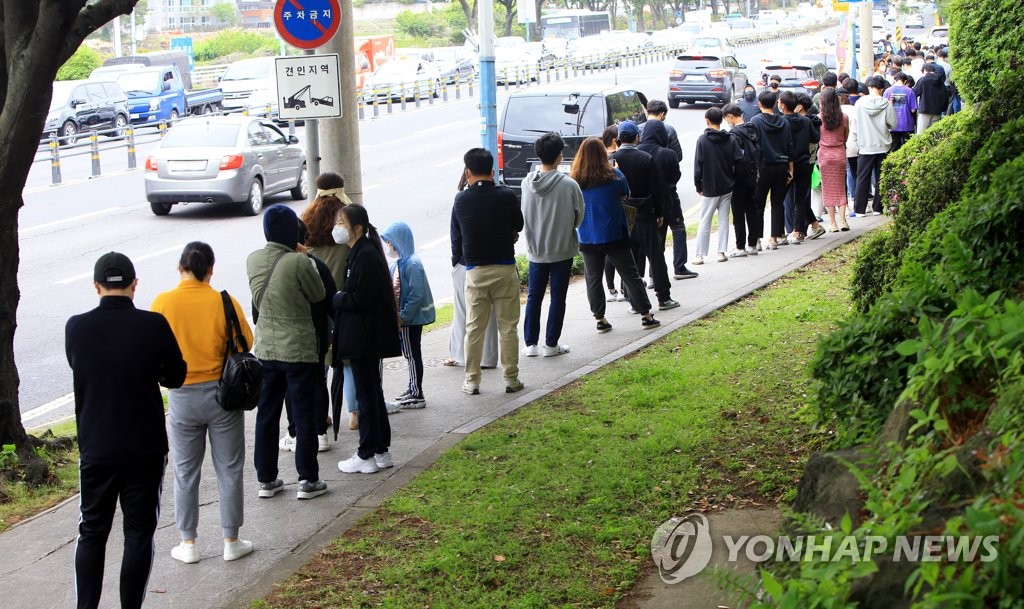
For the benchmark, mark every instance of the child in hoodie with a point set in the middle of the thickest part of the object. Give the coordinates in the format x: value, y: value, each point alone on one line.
x: 714, y: 175
x: 415, y: 306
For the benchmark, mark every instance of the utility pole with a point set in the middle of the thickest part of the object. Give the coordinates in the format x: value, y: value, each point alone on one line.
x: 488, y: 83
x: 132, y: 30
x: 116, y: 36
x: 867, y: 42
x: 340, y: 136
x: 313, y: 141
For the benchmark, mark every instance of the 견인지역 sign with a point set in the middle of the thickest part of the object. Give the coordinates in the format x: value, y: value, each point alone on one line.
x: 307, y: 24
x: 309, y: 86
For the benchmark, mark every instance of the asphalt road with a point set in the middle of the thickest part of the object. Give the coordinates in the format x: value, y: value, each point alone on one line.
x: 411, y: 165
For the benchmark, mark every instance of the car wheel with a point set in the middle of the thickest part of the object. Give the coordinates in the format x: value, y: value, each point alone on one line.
x: 69, y: 133
x: 254, y: 203
x: 161, y: 209
x: 301, y: 190
x: 673, y: 103
x: 174, y: 114
x: 120, y: 124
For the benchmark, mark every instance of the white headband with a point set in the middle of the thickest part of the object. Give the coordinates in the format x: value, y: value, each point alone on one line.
x: 339, y: 193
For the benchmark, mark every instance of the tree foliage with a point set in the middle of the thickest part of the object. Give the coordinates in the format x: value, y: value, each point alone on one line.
x: 81, y: 64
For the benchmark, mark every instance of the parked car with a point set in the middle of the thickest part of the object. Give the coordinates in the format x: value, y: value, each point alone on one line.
x: 224, y: 159
x: 916, y: 32
x: 80, y: 106
x: 403, y: 79
x: 743, y: 26
x: 158, y: 93
x: 454, y: 63
x: 938, y: 37
x: 711, y: 45
x: 798, y: 78
x: 575, y: 115
x: 594, y: 52
x: 705, y: 78
x: 250, y: 83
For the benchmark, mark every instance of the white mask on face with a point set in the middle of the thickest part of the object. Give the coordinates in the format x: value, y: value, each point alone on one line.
x: 390, y: 251
x: 340, y: 235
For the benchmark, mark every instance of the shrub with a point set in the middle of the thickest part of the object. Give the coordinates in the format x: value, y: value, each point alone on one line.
x: 1002, y: 146
x: 80, y: 65
x: 235, y: 41
x: 988, y: 71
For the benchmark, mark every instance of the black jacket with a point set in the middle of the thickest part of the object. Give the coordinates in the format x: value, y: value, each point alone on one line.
x: 485, y: 220
x: 645, y: 181
x: 746, y: 137
x: 673, y: 137
x: 365, y: 313
x: 322, y: 311
x: 654, y: 142
x: 805, y: 133
x: 776, y: 138
x: 931, y: 92
x: 715, y: 163
x: 120, y: 356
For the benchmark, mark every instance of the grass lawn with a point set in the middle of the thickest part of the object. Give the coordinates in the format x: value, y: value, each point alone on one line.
x: 555, y: 505
x: 442, y: 318
x: 18, y: 502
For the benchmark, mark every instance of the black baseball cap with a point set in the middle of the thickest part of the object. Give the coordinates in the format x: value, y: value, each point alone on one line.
x: 114, y: 270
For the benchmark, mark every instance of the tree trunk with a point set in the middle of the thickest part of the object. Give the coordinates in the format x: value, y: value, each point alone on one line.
x: 470, y: 12
x: 36, y: 38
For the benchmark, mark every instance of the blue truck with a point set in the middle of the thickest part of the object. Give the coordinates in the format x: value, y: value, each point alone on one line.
x: 159, y: 93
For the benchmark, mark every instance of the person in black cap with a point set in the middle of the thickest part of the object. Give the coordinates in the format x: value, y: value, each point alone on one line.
x: 119, y: 357
x: 284, y: 284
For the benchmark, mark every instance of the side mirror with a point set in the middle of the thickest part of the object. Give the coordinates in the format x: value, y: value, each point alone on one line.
x: 78, y: 102
x: 292, y: 139
x: 743, y: 66
x: 165, y: 86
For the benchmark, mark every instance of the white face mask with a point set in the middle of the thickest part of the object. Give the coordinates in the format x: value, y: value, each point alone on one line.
x: 390, y: 251
x: 340, y: 234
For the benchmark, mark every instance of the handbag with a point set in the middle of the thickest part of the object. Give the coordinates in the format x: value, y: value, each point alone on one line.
x: 241, y: 375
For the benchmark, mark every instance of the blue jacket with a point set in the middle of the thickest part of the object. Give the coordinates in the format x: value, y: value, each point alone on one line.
x: 415, y: 302
x: 604, y: 221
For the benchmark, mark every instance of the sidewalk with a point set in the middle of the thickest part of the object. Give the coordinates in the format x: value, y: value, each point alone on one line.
x: 38, y: 555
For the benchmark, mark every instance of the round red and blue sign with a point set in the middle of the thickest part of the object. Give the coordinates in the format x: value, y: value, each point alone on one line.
x: 307, y: 24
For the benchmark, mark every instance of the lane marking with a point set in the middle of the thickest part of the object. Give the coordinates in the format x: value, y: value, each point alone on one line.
x: 370, y: 187
x: 166, y: 250
x: 50, y: 406
x: 449, y: 163
x: 435, y: 243
x: 67, y: 220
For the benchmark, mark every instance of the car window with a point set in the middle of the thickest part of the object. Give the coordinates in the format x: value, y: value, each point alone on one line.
x: 623, y: 106
x: 80, y: 94
x: 729, y: 62
x: 112, y: 90
x: 96, y: 93
x: 695, y: 64
x: 201, y: 134
x: 256, y: 135
x: 788, y: 74
x: 274, y: 136
x: 534, y: 115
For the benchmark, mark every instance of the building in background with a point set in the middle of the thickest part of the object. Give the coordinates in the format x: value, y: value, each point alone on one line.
x: 256, y: 13
x: 195, y: 15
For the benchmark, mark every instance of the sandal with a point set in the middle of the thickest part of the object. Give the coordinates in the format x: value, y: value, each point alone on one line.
x: 450, y: 362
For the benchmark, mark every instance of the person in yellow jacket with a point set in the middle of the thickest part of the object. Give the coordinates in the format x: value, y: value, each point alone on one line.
x: 196, y: 313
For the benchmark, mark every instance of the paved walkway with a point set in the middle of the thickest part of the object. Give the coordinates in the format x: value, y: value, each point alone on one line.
x: 37, y: 565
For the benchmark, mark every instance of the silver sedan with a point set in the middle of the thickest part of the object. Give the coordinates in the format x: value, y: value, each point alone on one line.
x: 224, y: 159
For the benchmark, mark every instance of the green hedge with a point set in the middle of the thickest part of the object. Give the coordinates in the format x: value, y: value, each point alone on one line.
x: 80, y: 65
x: 236, y: 41
x: 986, y: 39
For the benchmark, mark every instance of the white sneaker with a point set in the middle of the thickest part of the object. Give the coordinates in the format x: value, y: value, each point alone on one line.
x: 470, y: 388
x: 721, y: 257
x: 556, y: 350
x: 697, y: 260
x: 355, y: 465
x: 392, y: 407
x: 738, y: 253
x: 323, y: 443
x: 383, y: 461
x: 531, y: 350
x: 791, y: 240
x: 233, y: 550
x: 187, y: 553
x: 752, y: 251
x: 287, y: 443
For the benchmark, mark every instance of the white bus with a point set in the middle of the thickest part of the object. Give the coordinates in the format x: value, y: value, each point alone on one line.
x: 574, y: 24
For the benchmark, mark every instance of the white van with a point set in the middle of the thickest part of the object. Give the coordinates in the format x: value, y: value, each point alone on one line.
x: 250, y: 83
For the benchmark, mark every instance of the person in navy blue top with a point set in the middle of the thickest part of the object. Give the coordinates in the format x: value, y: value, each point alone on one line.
x: 604, y: 232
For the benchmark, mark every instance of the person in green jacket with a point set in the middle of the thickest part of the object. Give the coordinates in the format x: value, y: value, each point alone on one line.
x: 284, y: 283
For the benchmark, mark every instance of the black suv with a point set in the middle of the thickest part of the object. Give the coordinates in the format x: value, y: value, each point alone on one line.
x: 798, y: 78
x: 81, y: 106
x: 705, y: 78
x: 573, y: 115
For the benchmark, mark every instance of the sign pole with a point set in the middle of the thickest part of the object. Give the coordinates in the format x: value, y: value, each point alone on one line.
x: 312, y: 151
x: 341, y: 136
x: 488, y: 83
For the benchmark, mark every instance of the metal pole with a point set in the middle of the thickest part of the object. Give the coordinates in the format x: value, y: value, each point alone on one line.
x: 867, y: 43
x: 94, y: 147
x: 130, y: 135
x: 116, y: 23
x: 132, y: 31
x: 488, y: 87
x: 341, y: 135
x: 54, y: 160
x: 313, y: 147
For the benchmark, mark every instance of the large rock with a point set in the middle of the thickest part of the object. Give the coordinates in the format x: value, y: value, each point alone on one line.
x: 828, y: 489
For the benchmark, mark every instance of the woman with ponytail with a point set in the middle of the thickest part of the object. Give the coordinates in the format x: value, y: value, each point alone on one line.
x: 195, y: 311
x: 365, y: 332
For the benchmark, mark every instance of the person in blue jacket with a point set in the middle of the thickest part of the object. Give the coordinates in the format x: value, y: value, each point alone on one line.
x: 415, y: 305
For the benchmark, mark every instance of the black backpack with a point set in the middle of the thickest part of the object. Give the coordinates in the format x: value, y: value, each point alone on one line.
x: 749, y: 168
x: 241, y: 376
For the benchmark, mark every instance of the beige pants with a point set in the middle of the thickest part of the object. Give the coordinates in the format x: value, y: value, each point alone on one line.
x: 492, y: 288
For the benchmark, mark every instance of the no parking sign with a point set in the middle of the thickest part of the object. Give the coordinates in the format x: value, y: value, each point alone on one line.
x: 307, y: 24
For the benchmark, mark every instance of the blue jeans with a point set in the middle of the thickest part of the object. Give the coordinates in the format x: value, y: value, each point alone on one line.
x: 540, y: 273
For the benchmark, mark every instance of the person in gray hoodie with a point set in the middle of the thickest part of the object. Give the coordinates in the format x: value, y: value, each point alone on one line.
x: 552, y: 209
x: 875, y: 120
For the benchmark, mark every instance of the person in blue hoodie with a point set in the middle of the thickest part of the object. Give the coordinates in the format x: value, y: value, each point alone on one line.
x: 415, y: 305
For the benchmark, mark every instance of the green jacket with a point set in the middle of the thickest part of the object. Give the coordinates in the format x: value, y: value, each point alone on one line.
x: 334, y: 256
x: 284, y: 326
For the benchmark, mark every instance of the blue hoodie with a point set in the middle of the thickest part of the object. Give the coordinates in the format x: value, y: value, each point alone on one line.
x: 415, y: 302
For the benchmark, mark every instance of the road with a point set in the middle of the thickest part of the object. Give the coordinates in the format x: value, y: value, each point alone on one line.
x: 411, y: 165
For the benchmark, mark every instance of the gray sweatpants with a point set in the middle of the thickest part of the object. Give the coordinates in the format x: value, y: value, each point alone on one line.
x: 193, y: 411
x: 457, y: 338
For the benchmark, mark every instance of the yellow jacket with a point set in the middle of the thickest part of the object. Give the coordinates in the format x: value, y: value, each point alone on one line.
x: 196, y: 314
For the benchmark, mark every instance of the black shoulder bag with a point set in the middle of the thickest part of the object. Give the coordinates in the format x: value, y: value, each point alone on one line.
x: 241, y: 376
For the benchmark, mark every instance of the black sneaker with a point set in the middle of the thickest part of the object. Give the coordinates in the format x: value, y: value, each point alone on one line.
x: 665, y: 305
x: 650, y: 323
x: 685, y: 273
x: 308, y: 490
x: 269, y: 489
x: 603, y: 326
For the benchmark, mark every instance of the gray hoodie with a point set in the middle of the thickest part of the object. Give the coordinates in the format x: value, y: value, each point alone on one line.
x: 552, y: 209
x: 875, y: 118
